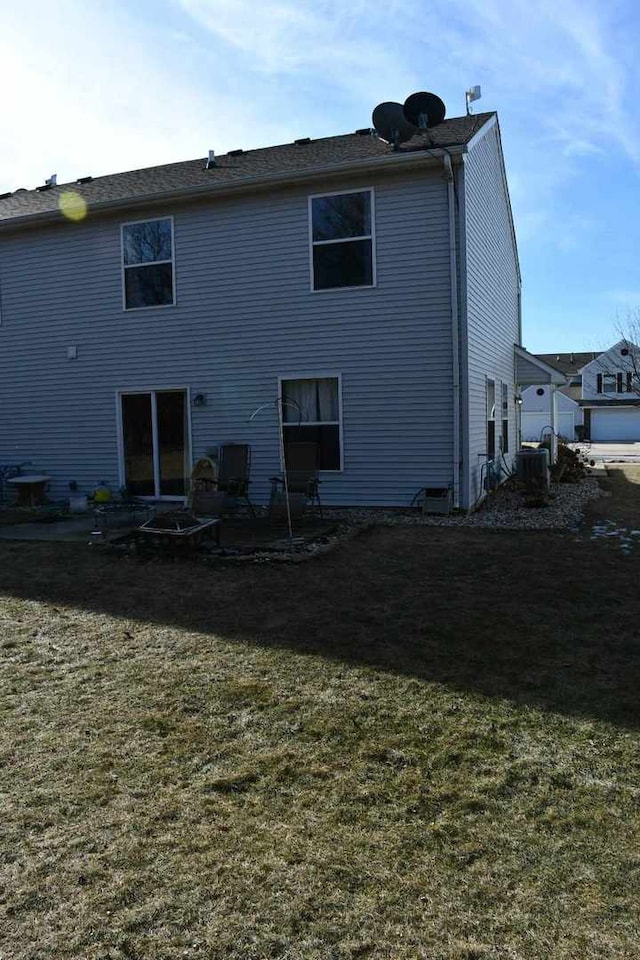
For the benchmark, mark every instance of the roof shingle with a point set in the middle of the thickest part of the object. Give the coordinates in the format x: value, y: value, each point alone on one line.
x: 233, y: 168
x: 568, y: 363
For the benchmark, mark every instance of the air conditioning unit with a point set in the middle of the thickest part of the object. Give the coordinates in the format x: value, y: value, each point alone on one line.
x: 532, y: 467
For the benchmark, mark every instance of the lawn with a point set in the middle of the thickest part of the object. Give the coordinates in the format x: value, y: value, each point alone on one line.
x: 423, y: 745
x: 622, y: 495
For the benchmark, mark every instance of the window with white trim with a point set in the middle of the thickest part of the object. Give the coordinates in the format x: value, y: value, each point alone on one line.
x: 342, y: 240
x: 311, y: 414
x: 491, y: 419
x: 609, y: 383
x: 147, y: 262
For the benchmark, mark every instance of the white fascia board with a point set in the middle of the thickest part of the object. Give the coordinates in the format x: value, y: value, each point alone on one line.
x: 482, y: 132
x: 620, y: 405
x: 486, y: 127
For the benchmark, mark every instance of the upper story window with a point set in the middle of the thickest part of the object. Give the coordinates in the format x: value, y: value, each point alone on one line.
x: 342, y: 240
x: 147, y: 260
x: 609, y: 383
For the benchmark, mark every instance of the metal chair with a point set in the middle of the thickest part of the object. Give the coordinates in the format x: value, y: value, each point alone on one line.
x: 234, y: 468
x: 302, y: 473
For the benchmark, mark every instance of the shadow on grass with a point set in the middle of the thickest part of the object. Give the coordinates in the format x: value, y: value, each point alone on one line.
x: 536, y: 618
x: 621, y: 503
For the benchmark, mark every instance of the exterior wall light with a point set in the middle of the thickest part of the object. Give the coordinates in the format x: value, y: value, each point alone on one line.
x: 199, y: 400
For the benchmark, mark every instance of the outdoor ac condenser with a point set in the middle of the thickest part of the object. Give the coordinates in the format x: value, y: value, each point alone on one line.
x: 532, y: 467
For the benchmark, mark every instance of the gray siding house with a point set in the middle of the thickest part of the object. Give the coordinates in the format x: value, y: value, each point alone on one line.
x: 145, y: 316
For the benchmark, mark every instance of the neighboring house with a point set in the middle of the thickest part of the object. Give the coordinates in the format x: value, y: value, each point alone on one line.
x: 611, y: 394
x: 571, y: 365
x: 539, y: 417
x: 601, y: 396
x: 147, y: 315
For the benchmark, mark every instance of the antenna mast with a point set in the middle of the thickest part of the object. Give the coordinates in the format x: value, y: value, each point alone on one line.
x: 473, y: 93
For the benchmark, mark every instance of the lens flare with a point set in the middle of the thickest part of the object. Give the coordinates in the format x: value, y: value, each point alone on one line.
x: 72, y: 205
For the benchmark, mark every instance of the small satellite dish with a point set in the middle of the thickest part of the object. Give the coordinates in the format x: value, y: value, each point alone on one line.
x: 391, y: 124
x: 424, y: 110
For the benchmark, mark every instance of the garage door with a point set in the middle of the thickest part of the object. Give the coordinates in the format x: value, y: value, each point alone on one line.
x: 615, y: 424
x: 535, y: 424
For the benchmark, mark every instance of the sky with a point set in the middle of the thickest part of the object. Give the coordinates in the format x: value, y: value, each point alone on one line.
x: 94, y: 87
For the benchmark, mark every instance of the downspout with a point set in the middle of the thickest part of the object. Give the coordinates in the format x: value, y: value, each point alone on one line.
x: 455, y: 345
x: 553, y: 453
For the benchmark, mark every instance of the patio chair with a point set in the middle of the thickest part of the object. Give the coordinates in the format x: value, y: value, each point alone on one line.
x: 234, y: 468
x: 302, y: 473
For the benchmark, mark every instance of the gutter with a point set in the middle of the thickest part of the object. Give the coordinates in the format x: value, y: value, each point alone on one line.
x: 398, y: 160
x: 455, y: 339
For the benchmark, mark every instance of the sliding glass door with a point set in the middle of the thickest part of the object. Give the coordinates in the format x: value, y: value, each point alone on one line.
x: 155, y: 443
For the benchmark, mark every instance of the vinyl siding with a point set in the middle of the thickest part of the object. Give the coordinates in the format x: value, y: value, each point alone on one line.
x: 244, y: 316
x: 534, y: 403
x: 527, y: 371
x: 612, y: 362
x: 492, y: 303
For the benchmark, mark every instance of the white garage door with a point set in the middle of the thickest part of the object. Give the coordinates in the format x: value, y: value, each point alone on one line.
x: 609, y: 424
x: 535, y: 424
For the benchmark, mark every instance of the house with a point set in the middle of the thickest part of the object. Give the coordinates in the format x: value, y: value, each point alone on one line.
x: 570, y: 364
x: 600, y: 400
x: 537, y: 400
x: 611, y: 394
x: 376, y: 290
x: 546, y: 409
x: 538, y: 418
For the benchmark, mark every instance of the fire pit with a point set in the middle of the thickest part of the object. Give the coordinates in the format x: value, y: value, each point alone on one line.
x: 178, y: 528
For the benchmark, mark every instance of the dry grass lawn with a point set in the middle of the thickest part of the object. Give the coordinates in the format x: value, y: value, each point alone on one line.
x: 424, y: 745
x: 622, y: 500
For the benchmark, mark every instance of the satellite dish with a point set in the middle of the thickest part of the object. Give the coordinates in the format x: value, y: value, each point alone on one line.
x: 424, y: 110
x: 391, y: 123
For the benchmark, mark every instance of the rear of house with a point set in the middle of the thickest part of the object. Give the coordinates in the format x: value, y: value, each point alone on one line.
x: 145, y: 324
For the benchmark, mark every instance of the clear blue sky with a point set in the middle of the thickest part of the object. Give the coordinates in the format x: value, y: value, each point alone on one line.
x: 94, y: 88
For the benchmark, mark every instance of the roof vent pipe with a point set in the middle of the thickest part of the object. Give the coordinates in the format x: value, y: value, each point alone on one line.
x: 211, y: 162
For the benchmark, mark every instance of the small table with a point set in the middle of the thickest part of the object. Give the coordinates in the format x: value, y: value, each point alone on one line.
x: 30, y: 488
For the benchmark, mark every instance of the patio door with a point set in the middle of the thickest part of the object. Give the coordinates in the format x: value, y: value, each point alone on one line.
x: 155, y: 443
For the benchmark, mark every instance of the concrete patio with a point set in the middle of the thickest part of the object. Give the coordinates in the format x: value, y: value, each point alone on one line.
x: 237, y: 533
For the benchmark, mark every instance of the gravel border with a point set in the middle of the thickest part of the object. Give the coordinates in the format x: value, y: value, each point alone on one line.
x: 504, y: 509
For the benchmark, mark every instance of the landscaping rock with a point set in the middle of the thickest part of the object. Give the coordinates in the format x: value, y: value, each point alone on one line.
x: 506, y: 508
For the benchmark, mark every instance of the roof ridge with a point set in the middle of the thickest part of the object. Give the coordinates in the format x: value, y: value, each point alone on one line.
x: 254, y: 164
